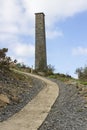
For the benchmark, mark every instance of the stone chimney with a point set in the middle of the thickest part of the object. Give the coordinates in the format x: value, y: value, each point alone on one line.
x: 40, y: 42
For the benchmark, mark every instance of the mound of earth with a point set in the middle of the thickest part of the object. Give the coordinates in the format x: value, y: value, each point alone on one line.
x: 16, y: 90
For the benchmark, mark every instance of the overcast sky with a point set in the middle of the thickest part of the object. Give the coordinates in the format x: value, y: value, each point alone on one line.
x: 66, y: 31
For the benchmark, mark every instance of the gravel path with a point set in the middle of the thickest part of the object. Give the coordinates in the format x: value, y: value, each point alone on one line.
x: 68, y: 112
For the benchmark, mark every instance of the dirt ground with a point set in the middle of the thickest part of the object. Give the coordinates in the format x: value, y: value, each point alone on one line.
x: 35, y: 112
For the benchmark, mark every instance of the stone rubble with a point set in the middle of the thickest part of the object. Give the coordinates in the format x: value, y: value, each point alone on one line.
x: 69, y: 112
x: 15, y: 95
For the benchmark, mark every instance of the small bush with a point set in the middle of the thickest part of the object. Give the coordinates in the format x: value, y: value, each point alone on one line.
x: 4, y: 60
x: 82, y: 73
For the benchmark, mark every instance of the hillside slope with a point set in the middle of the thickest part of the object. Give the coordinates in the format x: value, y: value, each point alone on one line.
x: 16, y: 90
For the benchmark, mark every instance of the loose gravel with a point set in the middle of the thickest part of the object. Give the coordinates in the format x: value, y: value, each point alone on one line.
x: 68, y: 112
x: 25, y: 97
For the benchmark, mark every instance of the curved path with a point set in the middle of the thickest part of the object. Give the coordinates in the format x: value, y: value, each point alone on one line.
x: 35, y: 112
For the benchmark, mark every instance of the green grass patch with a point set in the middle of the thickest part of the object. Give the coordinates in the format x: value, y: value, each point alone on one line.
x: 83, y: 83
x: 61, y: 77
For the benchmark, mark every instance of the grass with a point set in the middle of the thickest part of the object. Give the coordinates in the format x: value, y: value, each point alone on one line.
x: 61, y: 77
x: 83, y: 83
x: 15, y: 76
x: 21, y: 77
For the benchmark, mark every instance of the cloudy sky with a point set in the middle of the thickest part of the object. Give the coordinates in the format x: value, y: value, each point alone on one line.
x: 66, y: 31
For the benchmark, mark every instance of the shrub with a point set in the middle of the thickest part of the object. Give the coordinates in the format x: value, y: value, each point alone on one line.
x: 82, y: 73
x: 50, y: 70
x: 4, y: 60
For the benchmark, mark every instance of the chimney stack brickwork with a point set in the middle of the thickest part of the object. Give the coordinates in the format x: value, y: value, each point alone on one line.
x: 40, y: 42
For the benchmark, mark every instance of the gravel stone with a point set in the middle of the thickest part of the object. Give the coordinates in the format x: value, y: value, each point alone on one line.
x: 25, y: 98
x: 68, y: 111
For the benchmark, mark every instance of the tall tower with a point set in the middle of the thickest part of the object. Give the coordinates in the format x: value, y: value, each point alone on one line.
x: 40, y: 42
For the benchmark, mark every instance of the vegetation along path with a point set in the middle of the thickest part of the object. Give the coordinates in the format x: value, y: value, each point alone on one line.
x: 35, y: 112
